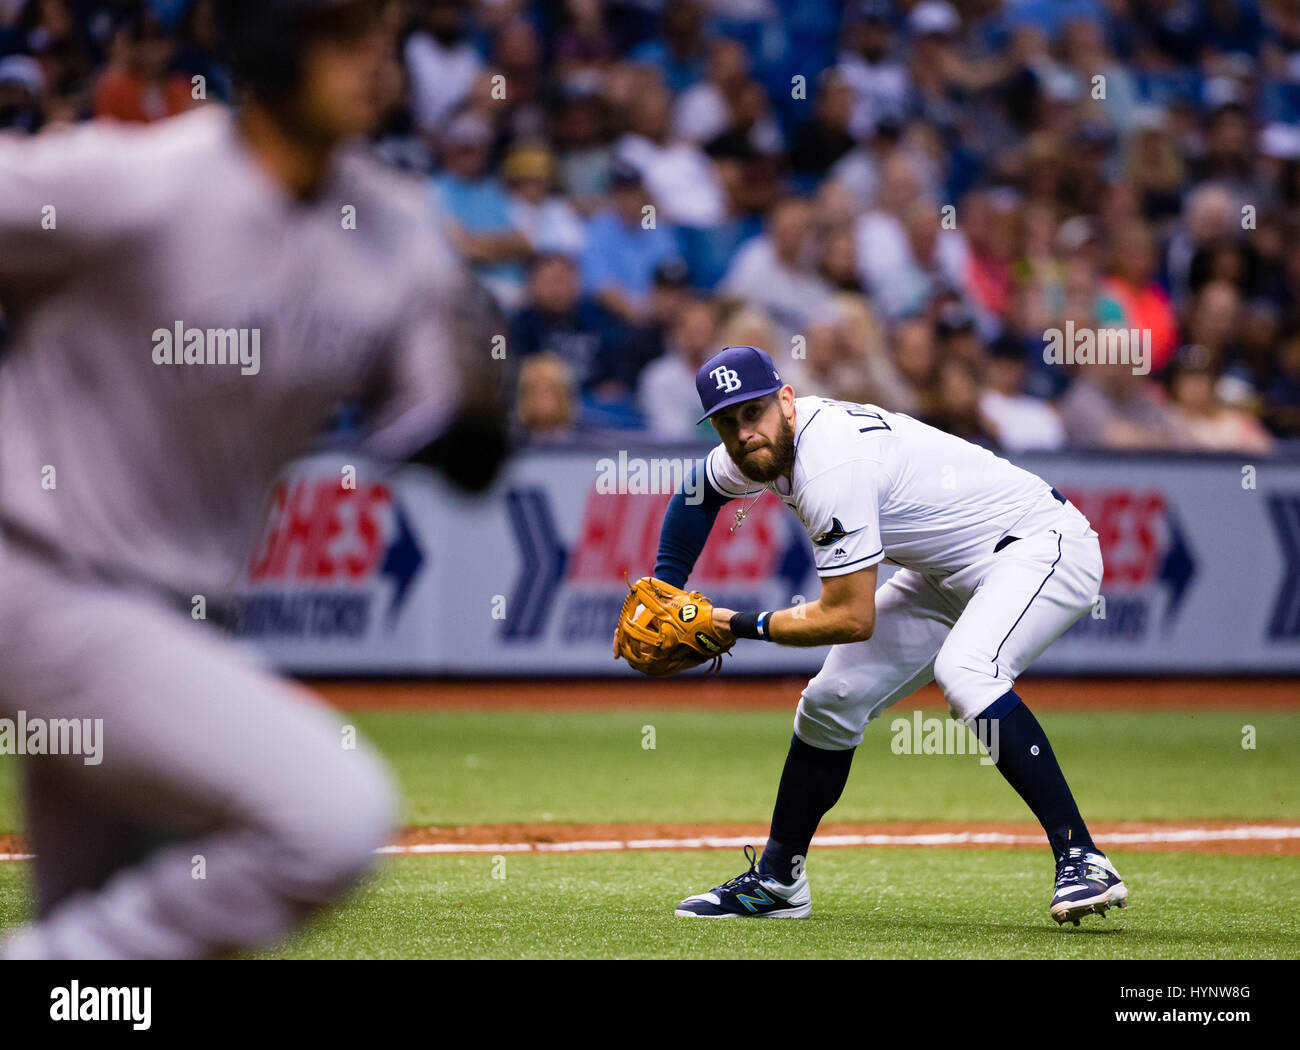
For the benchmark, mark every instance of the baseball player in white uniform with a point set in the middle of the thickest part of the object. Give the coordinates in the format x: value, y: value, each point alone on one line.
x: 225, y: 804
x: 994, y: 566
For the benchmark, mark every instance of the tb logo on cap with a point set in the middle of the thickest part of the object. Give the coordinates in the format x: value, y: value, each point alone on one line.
x: 728, y: 379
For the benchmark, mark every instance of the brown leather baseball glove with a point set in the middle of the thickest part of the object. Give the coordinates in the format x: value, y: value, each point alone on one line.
x: 663, y: 630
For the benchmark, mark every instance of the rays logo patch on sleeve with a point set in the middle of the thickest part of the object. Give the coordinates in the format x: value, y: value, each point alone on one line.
x: 835, y: 532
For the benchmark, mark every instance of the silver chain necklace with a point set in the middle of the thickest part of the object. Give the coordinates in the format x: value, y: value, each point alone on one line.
x: 743, y: 512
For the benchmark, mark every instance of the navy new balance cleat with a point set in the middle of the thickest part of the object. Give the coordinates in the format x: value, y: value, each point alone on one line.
x: 1086, y: 883
x: 751, y: 895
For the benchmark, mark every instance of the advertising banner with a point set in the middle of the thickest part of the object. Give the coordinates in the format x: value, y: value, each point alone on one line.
x: 394, y: 573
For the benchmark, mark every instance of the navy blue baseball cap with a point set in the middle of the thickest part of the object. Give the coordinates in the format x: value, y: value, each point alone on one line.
x: 735, y: 374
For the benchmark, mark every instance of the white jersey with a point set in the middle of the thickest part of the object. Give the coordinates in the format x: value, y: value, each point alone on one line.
x: 871, y: 485
x: 124, y: 249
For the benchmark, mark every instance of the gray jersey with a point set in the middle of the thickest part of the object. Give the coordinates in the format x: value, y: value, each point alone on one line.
x: 183, y: 326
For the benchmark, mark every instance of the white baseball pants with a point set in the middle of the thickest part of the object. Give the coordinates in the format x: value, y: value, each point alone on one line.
x: 972, y: 632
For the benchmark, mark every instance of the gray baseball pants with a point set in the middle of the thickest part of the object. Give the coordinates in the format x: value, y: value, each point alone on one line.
x: 228, y: 804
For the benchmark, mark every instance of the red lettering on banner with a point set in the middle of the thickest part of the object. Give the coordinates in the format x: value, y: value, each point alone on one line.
x: 620, y: 533
x: 318, y: 530
x: 294, y: 530
x: 369, y: 530
x: 750, y: 553
x: 261, y: 559
x: 1130, y: 528
x: 1150, y: 533
x: 316, y: 563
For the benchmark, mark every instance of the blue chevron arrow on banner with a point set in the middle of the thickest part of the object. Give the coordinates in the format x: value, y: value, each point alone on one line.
x: 1284, y: 510
x: 543, y: 559
x: 402, y: 562
x: 1176, y: 570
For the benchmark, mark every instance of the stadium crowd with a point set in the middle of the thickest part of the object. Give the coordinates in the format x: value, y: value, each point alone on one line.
x: 900, y: 201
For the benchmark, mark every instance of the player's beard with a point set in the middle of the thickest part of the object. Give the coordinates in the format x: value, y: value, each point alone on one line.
x: 779, y: 459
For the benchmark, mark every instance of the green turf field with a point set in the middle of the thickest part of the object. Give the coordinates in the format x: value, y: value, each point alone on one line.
x: 467, y: 768
x: 898, y: 903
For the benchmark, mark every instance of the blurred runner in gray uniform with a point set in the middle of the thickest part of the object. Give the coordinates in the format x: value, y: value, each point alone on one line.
x: 129, y: 484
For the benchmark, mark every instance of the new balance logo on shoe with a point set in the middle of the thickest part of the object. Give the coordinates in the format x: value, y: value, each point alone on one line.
x: 751, y: 895
x: 753, y: 901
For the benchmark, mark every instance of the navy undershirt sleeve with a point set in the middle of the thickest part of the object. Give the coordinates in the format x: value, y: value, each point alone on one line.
x: 685, y: 530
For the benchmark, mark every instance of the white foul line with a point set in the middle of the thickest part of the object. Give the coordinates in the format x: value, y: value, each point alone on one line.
x: 1248, y: 832
x: 1244, y: 833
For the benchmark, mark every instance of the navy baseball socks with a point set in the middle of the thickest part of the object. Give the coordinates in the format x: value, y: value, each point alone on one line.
x: 813, y: 780
x: 777, y: 886
x: 811, y: 783
x: 1086, y: 881
x: 1026, y: 760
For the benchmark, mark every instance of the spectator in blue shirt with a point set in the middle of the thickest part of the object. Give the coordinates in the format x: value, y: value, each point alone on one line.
x: 619, y: 262
x: 483, y: 229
